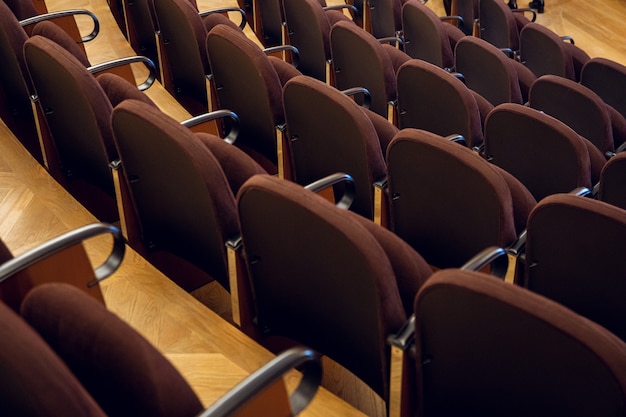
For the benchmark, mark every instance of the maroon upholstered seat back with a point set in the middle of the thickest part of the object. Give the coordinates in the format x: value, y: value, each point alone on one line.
x: 309, y: 30
x: 544, y: 52
x: 247, y: 83
x: 432, y: 99
x: 487, y: 71
x: 575, y: 105
x: 182, y: 198
x: 77, y: 113
x: 608, y: 79
x: 35, y: 381
x: 330, y: 133
x: 327, y: 279
x: 448, y: 203
x: 424, y: 35
x: 488, y: 348
x: 354, y: 49
x: 542, y: 152
x: 15, y: 106
x: 121, y: 370
x: 613, y: 181
x: 498, y: 25
x: 184, y: 37
x: 573, y: 255
x: 52, y: 31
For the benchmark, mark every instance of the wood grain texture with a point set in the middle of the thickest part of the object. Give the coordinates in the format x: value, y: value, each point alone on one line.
x: 34, y: 208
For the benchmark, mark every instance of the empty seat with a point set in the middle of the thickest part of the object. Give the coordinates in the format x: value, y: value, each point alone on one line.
x: 545, y: 52
x: 250, y: 83
x: 426, y: 37
x: 497, y: 349
x: 331, y: 279
x: 187, y: 213
x: 608, y: 79
x: 447, y: 202
x: 328, y: 132
x: 613, y: 181
x: 353, y: 50
x: 308, y: 26
x: 491, y: 73
x: 110, y: 368
x: 573, y: 256
x: 542, y: 152
x: 430, y: 98
x: 581, y: 109
x: 500, y: 25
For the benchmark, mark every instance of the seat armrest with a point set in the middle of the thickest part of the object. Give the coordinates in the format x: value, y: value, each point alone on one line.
x: 460, y: 139
x: 494, y: 257
x: 330, y: 181
x: 199, y: 120
x: 457, y: 19
x: 295, y: 53
x: 251, y: 388
x: 121, y: 62
x: 242, y: 12
x: 367, y: 96
x: 65, y: 13
x: 527, y: 10
x: 567, y: 39
x: 67, y: 240
x: 392, y: 40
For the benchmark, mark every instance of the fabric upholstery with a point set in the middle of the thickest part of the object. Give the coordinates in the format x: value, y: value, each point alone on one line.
x: 345, y: 142
x: 180, y: 24
x: 122, y: 371
x: 545, y: 359
x: 573, y: 248
x: 35, y: 381
x: 22, y: 9
x: 188, y: 211
x: 235, y: 163
x: 354, y: 49
x: 487, y: 71
x: 432, y: 99
x: 52, y: 31
x: 608, y: 79
x: 544, y: 52
x: 15, y: 106
x: 542, y: 152
x: 322, y: 252
x: 575, y: 105
x: 118, y: 89
x: 448, y: 203
x: 248, y: 85
x: 64, y: 87
x: 613, y: 181
x: 499, y: 25
x: 426, y: 36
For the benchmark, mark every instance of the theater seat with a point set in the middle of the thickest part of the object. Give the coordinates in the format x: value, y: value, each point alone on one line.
x: 542, y: 152
x: 182, y: 197
x: 447, y: 202
x: 613, y: 181
x: 326, y: 277
x: 354, y: 49
x: 500, y: 25
x: 426, y: 37
x: 328, y: 132
x: 485, y: 347
x: 430, y: 98
x: 581, y: 109
x: 572, y: 252
x: 70, y: 356
x: 545, y: 52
